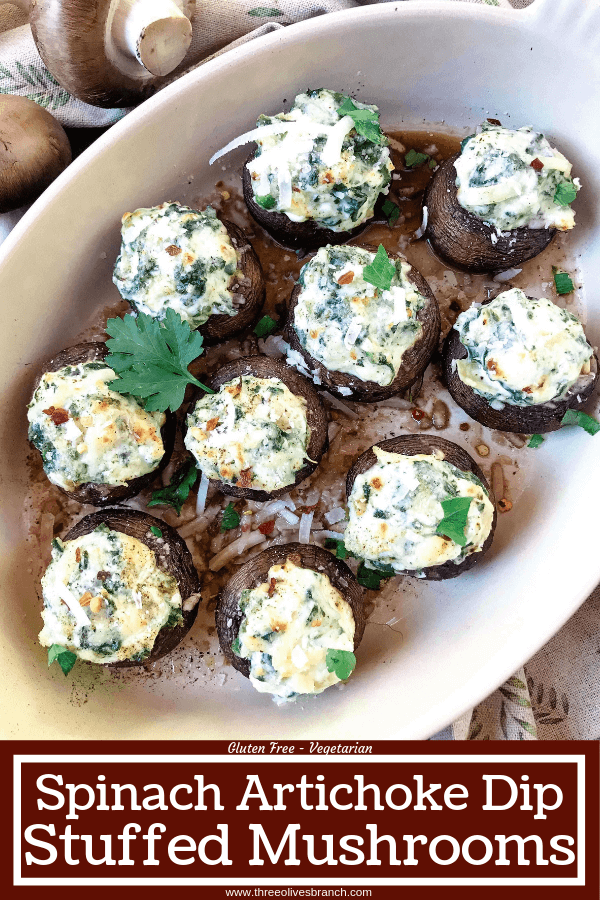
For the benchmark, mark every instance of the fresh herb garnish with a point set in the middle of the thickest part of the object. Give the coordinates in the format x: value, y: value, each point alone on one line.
x: 575, y: 417
x: 465, y: 141
x: 535, y: 441
x: 562, y: 281
x: 339, y: 547
x: 236, y: 646
x: 340, y: 662
x: 65, y: 658
x: 155, y: 531
x: 565, y: 193
x: 372, y: 578
x: 453, y: 524
x: 414, y: 158
x: 177, y: 492
x: 391, y: 211
x: 151, y: 358
x: 267, y: 201
x: 230, y: 518
x: 366, y: 121
x: 265, y: 326
x: 381, y: 271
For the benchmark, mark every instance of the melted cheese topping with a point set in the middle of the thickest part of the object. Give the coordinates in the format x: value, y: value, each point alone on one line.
x: 88, y: 433
x: 521, y: 350
x: 396, y: 506
x: 252, y: 433
x: 289, y: 623
x: 174, y: 257
x: 312, y: 164
x: 497, y: 183
x: 105, y: 598
x: 350, y: 326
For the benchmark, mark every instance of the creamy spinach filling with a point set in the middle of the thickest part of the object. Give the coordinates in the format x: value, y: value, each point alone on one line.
x: 312, y: 164
x: 521, y: 350
x: 252, y: 433
x: 514, y: 178
x: 105, y: 599
x: 86, y: 432
x: 174, y: 257
x: 289, y: 623
x: 349, y: 325
x: 395, y: 508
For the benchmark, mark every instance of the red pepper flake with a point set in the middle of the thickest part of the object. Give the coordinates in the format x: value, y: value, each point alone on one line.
x: 245, y: 478
x: 78, y: 554
x: 346, y: 278
x: 272, y: 584
x: 417, y: 414
x: 537, y: 164
x: 309, y: 509
x: 59, y: 416
x: 173, y: 250
x: 267, y: 527
x: 495, y: 122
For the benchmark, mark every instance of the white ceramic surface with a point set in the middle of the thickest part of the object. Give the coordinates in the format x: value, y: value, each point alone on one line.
x: 420, y: 62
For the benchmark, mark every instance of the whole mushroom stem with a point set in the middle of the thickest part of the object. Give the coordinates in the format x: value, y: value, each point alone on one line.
x: 155, y: 32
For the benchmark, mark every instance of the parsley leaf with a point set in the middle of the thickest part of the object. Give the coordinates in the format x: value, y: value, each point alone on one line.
x: 155, y: 531
x: 267, y: 201
x: 339, y: 546
x: 265, y: 326
x: 230, y: 518
x: 177, y: 492
x: 535, y: 441
x: 372, y: 578
x: 340, y: 662
x: 413, y: 159
x: 65, y: 658
x: 565, y: 193
x: 575, y: 417
x: 366, y: 121
x: 454, y: 522
x: 562, y: 281
x: 151, y: 358
x: 381, y: 271
x: 391, y: 211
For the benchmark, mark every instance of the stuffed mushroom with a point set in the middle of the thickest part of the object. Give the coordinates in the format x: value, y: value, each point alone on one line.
x: 359, y: 341
x: 262, y: 431
x: 318, y: 172
x: 98, y: 446
x: 174, y: 257
x: 500, y: 201
x: 402, y: 495
x: 121, y: 589
x: 281, y: 613
x: 518, y: 363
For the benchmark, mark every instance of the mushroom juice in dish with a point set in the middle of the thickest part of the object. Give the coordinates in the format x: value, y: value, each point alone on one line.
x: 316, y: 508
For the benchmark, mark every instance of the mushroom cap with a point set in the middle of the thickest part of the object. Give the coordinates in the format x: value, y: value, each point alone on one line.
x: 34, y: 150
x: 464, y: 241
x: 172, y: 556
x: 414, y: 360
x: 106, y: 494
x: 254, y: 572
x: 413, y: 445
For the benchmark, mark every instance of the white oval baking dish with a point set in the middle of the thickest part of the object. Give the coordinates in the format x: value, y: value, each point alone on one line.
x: 420, y: 62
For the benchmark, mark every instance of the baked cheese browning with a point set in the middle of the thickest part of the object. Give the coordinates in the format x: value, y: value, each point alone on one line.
x: 351, y: 326
x: 521, y: 350
x: 105, y: 598
x: 289, y: 623
x: 174, y: 257
x: 87, y: 433
x: 253, y: 433
x: 395, y: 508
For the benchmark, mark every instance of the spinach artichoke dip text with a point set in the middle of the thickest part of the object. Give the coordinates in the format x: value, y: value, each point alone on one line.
x: 289, y: 623
x: 349, y: 325
x: 174, y: 257
x: 252, y: 433
x: 311, y: 163
x: 105, y: 598
x: 521, y: 350
x: 395, y: 508
x: 511, y: 179
x: 86, y: 432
